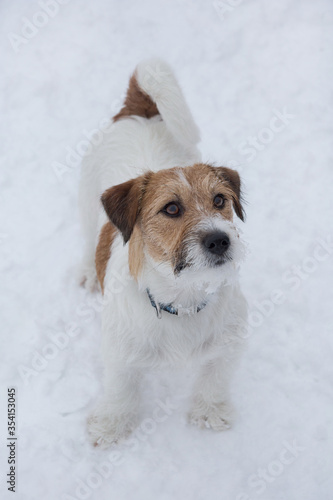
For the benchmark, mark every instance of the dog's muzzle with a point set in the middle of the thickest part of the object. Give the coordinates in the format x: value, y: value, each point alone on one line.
x: 205, y: 249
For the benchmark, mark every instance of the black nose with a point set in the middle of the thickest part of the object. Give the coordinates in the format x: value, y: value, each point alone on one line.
x: 216, y: 243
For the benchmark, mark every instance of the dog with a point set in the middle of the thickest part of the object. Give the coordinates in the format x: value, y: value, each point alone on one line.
x: 162, y: 243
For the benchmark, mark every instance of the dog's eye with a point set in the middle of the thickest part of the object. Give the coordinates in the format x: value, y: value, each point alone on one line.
x: 219, y: 201
x: 172, y: 209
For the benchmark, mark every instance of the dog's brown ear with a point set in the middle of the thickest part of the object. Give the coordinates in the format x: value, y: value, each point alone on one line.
x: 233, y: 179
x: 122, y: 203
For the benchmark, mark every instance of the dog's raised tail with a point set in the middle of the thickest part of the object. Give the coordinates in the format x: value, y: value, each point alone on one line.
x: 153, y: 89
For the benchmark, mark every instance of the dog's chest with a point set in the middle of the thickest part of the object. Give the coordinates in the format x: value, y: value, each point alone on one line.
x: 148, y: 340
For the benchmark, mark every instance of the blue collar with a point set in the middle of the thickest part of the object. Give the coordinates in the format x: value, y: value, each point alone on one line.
x: 169, y: 307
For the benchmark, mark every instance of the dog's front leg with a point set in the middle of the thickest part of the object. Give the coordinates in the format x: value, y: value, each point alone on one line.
x: 115, y: 416
x: 211, y: 407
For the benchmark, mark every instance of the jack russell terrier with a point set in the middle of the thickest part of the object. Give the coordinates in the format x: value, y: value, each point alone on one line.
x: 161, y: 241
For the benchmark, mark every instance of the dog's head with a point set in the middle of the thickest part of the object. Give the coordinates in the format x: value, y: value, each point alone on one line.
x: 182, y: 217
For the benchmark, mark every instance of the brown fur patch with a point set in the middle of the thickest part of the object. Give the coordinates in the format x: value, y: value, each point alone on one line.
x: 135, y: 252
x: 232, y: 177
x: 137, y: 102
x: 122, y: 203
x: 103, y: 251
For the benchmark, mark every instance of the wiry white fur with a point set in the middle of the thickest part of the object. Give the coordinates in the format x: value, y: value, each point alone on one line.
x: 133, y: 337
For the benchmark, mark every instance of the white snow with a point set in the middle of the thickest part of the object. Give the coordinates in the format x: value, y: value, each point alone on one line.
x: 240, y: 64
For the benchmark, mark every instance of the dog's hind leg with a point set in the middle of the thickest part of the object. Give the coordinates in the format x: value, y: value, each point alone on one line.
x: 89, y: 204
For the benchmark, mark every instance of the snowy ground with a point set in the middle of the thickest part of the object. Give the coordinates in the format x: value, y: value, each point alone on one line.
x: 241, y: 65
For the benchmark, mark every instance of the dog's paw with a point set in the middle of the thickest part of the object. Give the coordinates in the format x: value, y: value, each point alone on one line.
x: 216, y: 417
x: 87, y: 278
x: 105, y: 430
